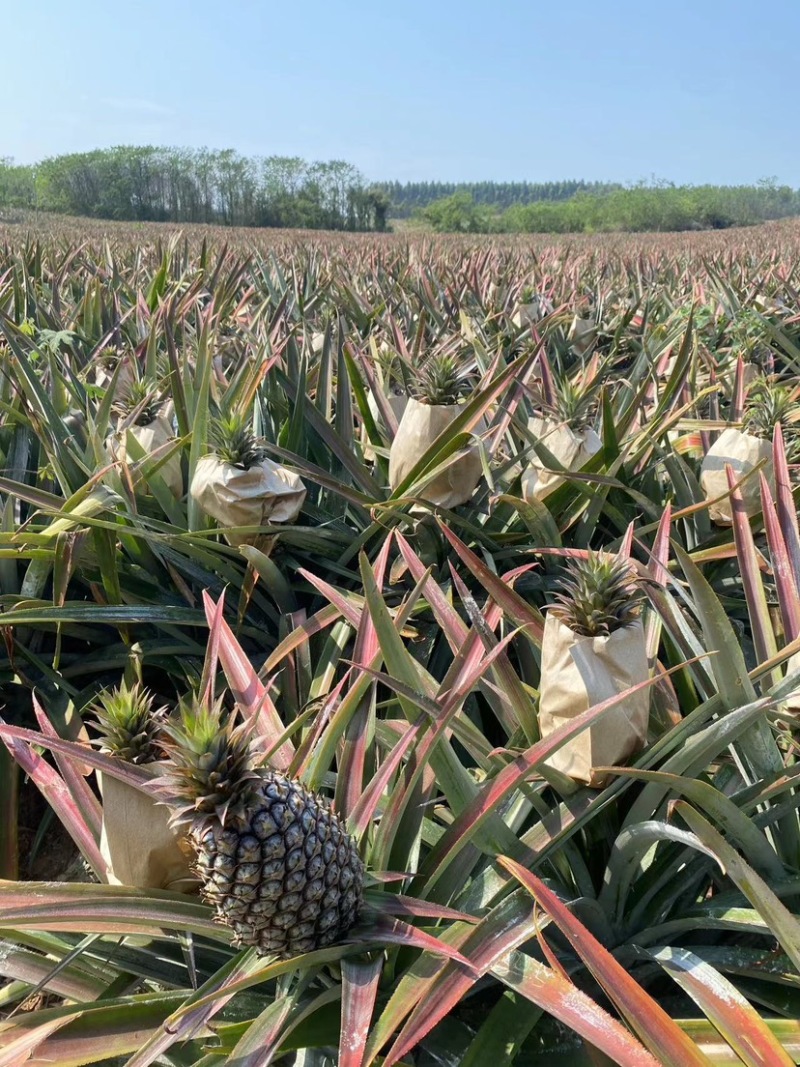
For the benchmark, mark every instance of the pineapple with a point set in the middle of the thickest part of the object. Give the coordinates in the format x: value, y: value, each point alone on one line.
x: 768, y: 404
x: 138, y: 844
x: 146, y: 419
x: 566, y: 429
x: 598, y: 595
x: 573, y: 406
x: 275, y: 862
x: 441, y: 381
x: 140, y: 403
x: 129, y: 726
x: 238, y: 485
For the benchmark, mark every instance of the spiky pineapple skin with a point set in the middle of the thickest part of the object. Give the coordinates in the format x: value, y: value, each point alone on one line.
x: 281, y: 871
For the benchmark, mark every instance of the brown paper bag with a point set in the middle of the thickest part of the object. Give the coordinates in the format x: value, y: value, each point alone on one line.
x: 397, y: 404
x: 419, y: 427
x: 104, y: 375
x: 572, y: 450
x: 136, y: 841
x: 263, y: 495
x: 582, y: 334
x: 580, y: 672
x: 530, y: 313
x: 149, y: 438
x: 742, y: 452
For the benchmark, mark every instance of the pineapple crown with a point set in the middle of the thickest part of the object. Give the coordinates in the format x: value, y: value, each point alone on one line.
x: 140, y: 403
x: 232, y: 440
x: 597, y: 595
x: 572, y: 405
x: 443, y: 379
x: 130, y: 727
x: 769, y: 403
x: 211, y: 762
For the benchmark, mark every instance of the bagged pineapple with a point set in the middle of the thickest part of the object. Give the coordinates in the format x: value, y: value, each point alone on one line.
x: 593, y: 649
x: 439, y: 385
x: 239, y: 486
x: 150, y: 426
x: 136, y: 841
x: 565, y: 430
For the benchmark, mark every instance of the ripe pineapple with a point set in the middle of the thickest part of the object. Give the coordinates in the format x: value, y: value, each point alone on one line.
x: 275, y: 862
x: 129, y: 725
x: 598, y: 595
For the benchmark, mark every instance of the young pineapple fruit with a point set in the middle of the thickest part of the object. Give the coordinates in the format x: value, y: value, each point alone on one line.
x: 129, y: 726
x: 137, y: 843
x: 593, y: 651
x: 144, y: 419
x: 237, y: 484
x: 436, y: 389
x: 597, y: 595
x: 275, y: 862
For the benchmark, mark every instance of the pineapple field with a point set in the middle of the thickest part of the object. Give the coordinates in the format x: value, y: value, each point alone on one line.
x: 400, y: 656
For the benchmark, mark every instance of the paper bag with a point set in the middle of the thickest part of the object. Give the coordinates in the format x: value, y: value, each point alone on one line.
x: 419, y: 427
x: 149, y: 438
x: 742, y: 452
x: 572, y: 450
x: 397, y: 404
x: 582, y: 335
x: 136, y: 841
x: 581, y: 672
x: 261, y: 496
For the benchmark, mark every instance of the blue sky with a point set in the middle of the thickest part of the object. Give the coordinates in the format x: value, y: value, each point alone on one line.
x: 691, y: 90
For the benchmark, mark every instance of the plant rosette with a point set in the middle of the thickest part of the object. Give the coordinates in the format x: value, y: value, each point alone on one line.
x: 264, y: 494
x: 572, y: 450
x: 742, y: 452
x: 149, y: 438
x: 580, y: 672
x: 419, y: 427
x: 136, y: 841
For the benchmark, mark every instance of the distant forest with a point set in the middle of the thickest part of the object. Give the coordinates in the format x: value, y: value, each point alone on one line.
x: 148, y: 184
x: 152, y: 184
x: 407, y: 198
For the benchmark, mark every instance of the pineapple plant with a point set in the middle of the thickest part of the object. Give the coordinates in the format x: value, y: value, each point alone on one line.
x: 566, y: 429
x: 105, y: 364
x: 146, y: 419
x: 593, y: 649
x: 743, y: 449
x: 275, y: 862
x: 136, y: 841
x: 237, y: 484
x: 436, y: 390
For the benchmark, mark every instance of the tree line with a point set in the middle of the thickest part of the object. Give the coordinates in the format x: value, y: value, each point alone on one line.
x: 151, y: 184
x: 409, y: 197
x: 656, y: 207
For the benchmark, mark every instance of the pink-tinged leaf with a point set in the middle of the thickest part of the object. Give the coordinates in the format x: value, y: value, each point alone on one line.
x: 318, y: 622
x: 339, y: 600
x: 722, y: 1003
x: 627, y: 543
x: 183, y: 1025
x: 132, y: 774
x: 785, y: 582
x: 657, y: 1030
x: 364, y: 810
x: 17, y: 1051
x: 511, y: 603
x: 74, y: 778
x: 737, y: 401
x: 389, y: 931
x: 57, y: 794
x: 214, y: 615
x: 397, y: 904
x: 250, y: 694
x: 558, y: 996
x: 757, y: 607
x: 787, y: 512
x: 359, y: 991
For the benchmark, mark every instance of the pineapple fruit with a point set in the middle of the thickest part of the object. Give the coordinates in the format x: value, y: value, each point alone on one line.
x: 275, y: 862
x: 237, y: 484
x: 136, y: 841
x: 593, y: 650
x: 565, y: 428
x: 436, y: 391
x: 145, y: 418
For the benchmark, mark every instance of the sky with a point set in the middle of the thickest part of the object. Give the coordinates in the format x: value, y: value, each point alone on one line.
x: 688, y: 90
